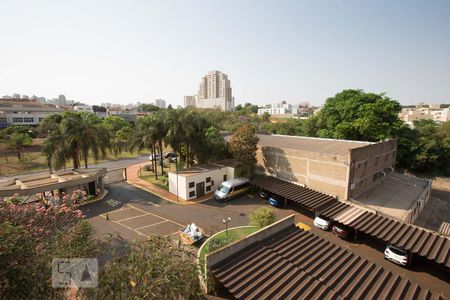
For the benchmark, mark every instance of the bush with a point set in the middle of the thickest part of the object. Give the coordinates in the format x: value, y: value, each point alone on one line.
x: 153, y: 269
x: 262, y: 217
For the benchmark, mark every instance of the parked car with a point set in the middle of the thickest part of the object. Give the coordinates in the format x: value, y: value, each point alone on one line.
x: 262, y: 194
x: 154, y: 156
x: 170, y: 155
x: 397, y: 255
x: 274, y: 201
x: 344, y: 232
x: 322, y: 222
x: 231, y: 189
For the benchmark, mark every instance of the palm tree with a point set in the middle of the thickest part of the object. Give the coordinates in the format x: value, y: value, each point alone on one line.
x: 175, y: 129
x: 77, y: 135
x: 146, y: 137
x: 17, y: 141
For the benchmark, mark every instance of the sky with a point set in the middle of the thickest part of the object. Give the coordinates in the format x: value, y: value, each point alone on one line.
x: 129, y: 51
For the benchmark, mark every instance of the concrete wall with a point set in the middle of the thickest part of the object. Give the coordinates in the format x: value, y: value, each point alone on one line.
x: 221, y: 254
x: 367, y: 164
x: 321, y: 172
x: 416, y: 208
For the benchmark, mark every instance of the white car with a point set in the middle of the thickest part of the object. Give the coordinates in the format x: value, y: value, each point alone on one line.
x: 397, y: 255
x: 322, y: 222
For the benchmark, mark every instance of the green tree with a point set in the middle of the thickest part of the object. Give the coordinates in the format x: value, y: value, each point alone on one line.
x: 153, y: 269
x: 149, y: 107
x: 145, y: 137
x: 243, y: 146
x: 262, y: 217
x: 17, y: 141
x: 356, y: 115
x: 120, y: 133
x: 77, y: 135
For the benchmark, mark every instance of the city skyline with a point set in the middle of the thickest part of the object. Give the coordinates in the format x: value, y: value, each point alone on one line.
x: 293, y: 51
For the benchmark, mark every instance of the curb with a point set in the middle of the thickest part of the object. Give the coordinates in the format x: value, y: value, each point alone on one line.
x: 105, y: 192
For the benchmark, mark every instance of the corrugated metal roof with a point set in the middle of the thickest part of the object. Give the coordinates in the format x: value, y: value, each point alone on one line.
x: 445, y: 228
x: 419, y: 241
x: 300, y: 265
x: 300, y: 195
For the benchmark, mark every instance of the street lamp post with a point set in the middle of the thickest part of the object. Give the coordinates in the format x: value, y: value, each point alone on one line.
x: 226, y: 221
x: 176, y: 170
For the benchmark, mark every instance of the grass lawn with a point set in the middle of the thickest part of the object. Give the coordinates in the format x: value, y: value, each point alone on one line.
x: 221, y: 240
x: 35, y: 161
x: 162, y: 179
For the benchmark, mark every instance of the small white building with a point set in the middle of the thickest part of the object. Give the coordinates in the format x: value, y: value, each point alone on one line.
x: 83, y: 107
x: 200, y: 180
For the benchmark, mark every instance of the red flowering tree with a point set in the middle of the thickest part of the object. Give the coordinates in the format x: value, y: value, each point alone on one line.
x: 31, y: 235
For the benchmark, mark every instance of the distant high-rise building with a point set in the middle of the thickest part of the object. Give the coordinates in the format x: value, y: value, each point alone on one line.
x: 25, y: 97
x: 189, y: 101
x: 16, y: 96
x: 160, y: 103
x: 62, y: 100
x: 215, y: 92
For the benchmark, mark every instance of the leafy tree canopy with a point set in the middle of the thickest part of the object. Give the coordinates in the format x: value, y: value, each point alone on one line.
x: 243, y: 146
x: 357, y: 115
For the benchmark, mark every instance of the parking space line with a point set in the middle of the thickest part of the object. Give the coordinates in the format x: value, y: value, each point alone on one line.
x: 128, y: 227
x: 150, y: 225
x: 156, y: 215
x: 130, y: 218
x: 117, y: 210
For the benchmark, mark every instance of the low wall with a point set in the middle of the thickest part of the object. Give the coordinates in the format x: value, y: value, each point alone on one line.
x: 219, y: 255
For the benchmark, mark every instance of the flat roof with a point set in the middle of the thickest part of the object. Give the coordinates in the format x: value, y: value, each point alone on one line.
x: 394, y: 195
x: 31, y: 184
x: 297, y: 264
x: 199, y: 169
x: 309, y: 144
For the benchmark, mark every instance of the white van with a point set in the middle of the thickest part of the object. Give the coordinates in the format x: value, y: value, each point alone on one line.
x: 232, y: 188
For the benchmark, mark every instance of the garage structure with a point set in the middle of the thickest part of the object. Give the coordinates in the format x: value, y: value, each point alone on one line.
x: 419, y: 241
x: 283, y: 261
x: 197, y: 181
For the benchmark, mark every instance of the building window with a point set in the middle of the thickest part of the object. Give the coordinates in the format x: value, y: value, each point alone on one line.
x: 376, y: 161
x: 386, y: 157
x: 17, y: 120
x: 191, y: 194
x: 28, y: 120
x: 191, y: 184
x: 3, y: 120
x: 208, y: 188
x: 225, y: 177
x: 208, y: 179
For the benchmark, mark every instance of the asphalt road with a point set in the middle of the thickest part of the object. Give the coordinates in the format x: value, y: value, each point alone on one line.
x: 135, y: 213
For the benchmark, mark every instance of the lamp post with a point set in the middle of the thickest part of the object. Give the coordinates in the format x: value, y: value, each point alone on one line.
x: 30, y: 131
x: 176, y: 171
x: 226, y: 221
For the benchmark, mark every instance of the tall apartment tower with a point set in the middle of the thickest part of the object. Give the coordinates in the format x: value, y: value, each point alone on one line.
x: 215, y: 92
x: 189, y: 101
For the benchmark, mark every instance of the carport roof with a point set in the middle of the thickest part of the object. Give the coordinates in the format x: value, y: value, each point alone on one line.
x: 415, y: 239
x: 296, y: 264
x: 303, y: 196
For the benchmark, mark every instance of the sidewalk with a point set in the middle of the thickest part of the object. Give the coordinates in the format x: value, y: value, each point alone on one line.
x: 133, y: 178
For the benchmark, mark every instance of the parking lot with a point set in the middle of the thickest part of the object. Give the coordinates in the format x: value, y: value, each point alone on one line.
x: 142, y: 222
